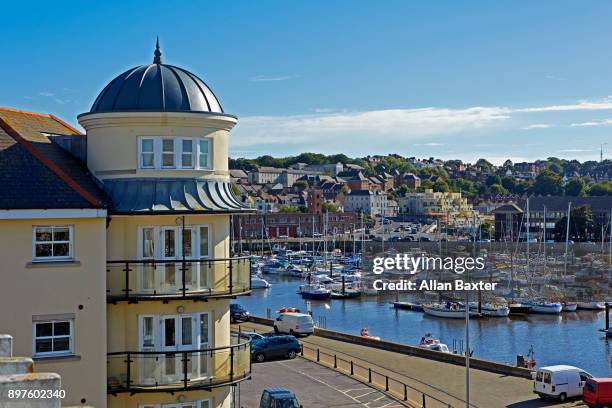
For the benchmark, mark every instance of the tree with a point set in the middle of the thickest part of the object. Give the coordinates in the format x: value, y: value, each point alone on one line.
x: 600, y: 189
x: 441, y: 186
x: 508, y: 164
x: 493, y: 179
x: 548, y: 183
x: 497, y: 189
x: 581, y: 224
x: 235, y: 189
x: 402, y: 190
x: 329, y: 207
x: 302, y: 184
x: 484, y: 165
x: 575, y: 187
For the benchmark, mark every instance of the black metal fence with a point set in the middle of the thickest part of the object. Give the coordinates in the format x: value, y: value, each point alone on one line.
x: 167, y: 371
x: 130, y: 280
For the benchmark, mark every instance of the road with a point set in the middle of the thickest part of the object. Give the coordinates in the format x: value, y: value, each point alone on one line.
x: 443, y: 381
x: 314, y: 385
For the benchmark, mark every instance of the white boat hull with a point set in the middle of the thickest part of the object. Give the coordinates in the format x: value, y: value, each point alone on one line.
x: 446, y: 313
x: 570, y: 307
x: 591, y: 305
x: 545, y: 308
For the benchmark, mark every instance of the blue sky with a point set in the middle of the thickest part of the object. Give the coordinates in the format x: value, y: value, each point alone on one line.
x: 450, y: 79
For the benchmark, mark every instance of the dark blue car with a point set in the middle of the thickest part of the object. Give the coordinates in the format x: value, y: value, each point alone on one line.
x: 238, y: 313
x: 275, y: 347
x: 278, y: 398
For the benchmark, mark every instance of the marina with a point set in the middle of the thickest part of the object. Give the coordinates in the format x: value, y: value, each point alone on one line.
x: 571, y: 338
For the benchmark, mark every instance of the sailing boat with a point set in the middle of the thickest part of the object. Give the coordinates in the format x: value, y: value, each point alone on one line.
x: 567, y: 305
x: 537, y: 306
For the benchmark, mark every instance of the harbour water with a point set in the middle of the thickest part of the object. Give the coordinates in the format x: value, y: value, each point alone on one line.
x: 568, y: 338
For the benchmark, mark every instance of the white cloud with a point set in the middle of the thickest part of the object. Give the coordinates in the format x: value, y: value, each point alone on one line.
x: 538, y: 126
x: 396, y: 125
x: 396, y: 130
x: 602, y: 122
x: 45, y: 93
x: 574, y: 150
x: 263, y: 78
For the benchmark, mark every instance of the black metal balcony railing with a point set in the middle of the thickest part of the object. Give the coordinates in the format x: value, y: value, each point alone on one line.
x: 169, y: 371
x: 177, y: 279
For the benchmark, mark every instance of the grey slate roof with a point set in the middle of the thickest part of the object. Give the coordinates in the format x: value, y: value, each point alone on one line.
x: 149, y: 195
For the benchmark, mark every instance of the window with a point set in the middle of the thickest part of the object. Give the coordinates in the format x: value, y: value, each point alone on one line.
x: 203, y: 154
x: 147, y: 153
x: 167, y: 153
x: 52, y: 243
x: 170, y: 153
x: 204, y: 242
x: 187, y: 153
x: 52, y: 337
x: 147, y: 332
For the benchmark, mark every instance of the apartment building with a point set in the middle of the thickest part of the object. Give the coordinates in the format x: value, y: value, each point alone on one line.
x: 450, y: 207
x: 366, y: 201
x: 286, y: 177
x: 117, y: 268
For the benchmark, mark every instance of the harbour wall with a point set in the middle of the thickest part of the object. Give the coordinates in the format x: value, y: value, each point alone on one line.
x: 456, y: 359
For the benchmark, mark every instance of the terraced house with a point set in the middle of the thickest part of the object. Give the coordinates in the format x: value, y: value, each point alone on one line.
x: 116, y: 264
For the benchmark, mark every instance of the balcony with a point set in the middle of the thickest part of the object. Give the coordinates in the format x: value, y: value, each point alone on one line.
x: 183, y: 370
x: 133, y: 281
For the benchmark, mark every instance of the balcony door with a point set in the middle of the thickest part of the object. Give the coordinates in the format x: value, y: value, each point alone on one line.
x: 168, y: 244
x: 177, y: 334
x: 173, y: 335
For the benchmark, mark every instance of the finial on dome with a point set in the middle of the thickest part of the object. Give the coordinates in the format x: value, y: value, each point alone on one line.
x: 157, y: 53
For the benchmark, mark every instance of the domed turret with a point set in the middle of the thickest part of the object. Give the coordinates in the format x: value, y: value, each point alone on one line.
x: 156, y: 87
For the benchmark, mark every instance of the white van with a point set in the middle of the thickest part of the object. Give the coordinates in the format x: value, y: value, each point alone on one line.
x: 560, y: 381
x: 294, y: 323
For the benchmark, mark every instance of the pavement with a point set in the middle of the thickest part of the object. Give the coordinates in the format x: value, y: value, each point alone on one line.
x: 313, y: 385
x: 443, y: 381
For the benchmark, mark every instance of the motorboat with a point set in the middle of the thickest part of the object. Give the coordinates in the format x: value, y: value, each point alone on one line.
x: 314, y: 291
x: 591, y: 305
x: 274, y: 266
x: 431, y: 343
x: 259, y: 283
x: 450, y: 310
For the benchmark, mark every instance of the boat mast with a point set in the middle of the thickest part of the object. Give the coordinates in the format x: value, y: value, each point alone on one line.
x: 569, y: 207
x: 544, y: 239
x: 527, y: 229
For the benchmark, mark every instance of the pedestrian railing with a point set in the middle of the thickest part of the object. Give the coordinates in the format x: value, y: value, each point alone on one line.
x: 394, y: 387
x: 133, y: 280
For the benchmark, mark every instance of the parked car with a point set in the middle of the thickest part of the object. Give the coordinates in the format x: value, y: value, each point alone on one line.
x: 560, y: 381
x: 249, y: 335
x: 597, y: 392
x: 238, y: 313
x: 275, y: 347
x: 294, y: 323
x: 278, y: 398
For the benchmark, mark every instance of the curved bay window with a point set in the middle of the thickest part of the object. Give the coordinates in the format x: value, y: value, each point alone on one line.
x: 175, y: 261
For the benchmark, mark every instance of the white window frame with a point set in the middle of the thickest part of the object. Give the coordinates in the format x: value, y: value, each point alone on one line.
x: 68, y: 352
x: 199, y: 238
x: 53, y: 258
x: 182, y: 153
x: 141, y: 153
x: 164, y: 152
x: 177, y: 145
x: 208, y: 154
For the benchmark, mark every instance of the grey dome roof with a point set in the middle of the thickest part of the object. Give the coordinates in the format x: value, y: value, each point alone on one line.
x: 157, y: 87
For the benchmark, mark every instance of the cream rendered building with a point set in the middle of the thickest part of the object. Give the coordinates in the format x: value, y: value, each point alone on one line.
x: 132, y: 290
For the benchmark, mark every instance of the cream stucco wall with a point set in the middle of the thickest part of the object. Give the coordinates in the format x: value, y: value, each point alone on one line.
x: 112, y: 141
x: 78, y: 289
x: 219, y: 398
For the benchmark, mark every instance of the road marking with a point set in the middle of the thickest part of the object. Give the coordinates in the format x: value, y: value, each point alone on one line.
x: 329, y: 385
